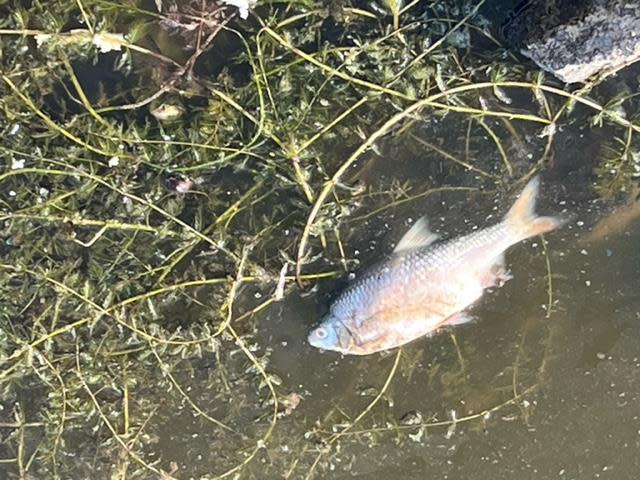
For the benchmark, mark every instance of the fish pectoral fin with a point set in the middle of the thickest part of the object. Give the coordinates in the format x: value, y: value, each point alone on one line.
x: 418, y: 236
x: 497, y: 275
x: 459, y: 318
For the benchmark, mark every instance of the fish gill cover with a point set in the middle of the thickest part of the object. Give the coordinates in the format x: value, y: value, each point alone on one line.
x: 173, y: 171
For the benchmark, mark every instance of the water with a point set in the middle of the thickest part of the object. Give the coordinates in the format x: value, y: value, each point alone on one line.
x: 536, y: 392
x: 545, y: 383
x: 582, y: 420
x: 525, y: 390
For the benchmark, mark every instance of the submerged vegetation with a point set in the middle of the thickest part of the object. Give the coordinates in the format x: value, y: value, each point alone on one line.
x: 173, y: 170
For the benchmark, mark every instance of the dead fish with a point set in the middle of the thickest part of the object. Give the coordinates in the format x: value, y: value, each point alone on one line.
x: 426, y: 283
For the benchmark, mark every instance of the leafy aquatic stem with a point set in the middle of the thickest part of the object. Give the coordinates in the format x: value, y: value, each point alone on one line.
x: 356, y: 81
x: 486, y: 413
x: 394, y: 7
x: 53, y: 125
x: 450, y: 157
x: 498, y: 143
x: 310, y: 141
x: 274, y: 399
x: 80, y: 91
x: 86, y: 36
x: 166, y: 370
x: 413, y: 109
x: 336, y: 436
x: 85, y: 222
x: 429, y: 50
x: 110, y: 426
x: 61, y: 423
x: 109, y: 311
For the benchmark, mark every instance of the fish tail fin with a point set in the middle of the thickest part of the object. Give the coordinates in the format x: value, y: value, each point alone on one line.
x: 522, y: 217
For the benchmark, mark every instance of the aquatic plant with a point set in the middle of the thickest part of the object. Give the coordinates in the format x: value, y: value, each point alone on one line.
x: 170, y: 170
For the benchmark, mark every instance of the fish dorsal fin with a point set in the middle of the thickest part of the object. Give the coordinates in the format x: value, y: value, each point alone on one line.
x: 418, y: 236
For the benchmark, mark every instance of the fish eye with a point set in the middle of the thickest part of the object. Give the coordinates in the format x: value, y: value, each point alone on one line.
x: 321, y: 333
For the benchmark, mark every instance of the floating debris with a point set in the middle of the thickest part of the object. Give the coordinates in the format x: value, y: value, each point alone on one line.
x: 178, y: 183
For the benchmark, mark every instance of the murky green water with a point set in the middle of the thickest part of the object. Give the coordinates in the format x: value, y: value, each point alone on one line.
x: 524, y: 391
x: 536, y: 393
x: 545, y: 383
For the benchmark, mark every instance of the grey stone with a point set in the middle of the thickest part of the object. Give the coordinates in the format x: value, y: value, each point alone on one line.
x: 604, y: 36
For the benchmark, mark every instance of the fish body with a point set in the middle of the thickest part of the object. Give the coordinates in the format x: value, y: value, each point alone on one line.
x: 425, y: 284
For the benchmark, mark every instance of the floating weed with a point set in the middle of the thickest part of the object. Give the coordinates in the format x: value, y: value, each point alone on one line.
x: 160, y: 157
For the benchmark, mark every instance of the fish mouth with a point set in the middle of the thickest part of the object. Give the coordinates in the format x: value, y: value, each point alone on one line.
x: 326, y: 335
x: 332, y: 335
x: 316, y: 340
x: 312, y: 340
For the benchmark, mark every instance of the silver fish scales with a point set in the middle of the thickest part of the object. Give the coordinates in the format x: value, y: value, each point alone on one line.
x: 425, y: 284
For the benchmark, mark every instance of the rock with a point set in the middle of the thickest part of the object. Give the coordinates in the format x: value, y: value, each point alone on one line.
x: 574, y: 40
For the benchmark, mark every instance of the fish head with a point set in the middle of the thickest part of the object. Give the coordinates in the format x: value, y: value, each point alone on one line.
x: 330, y: 335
